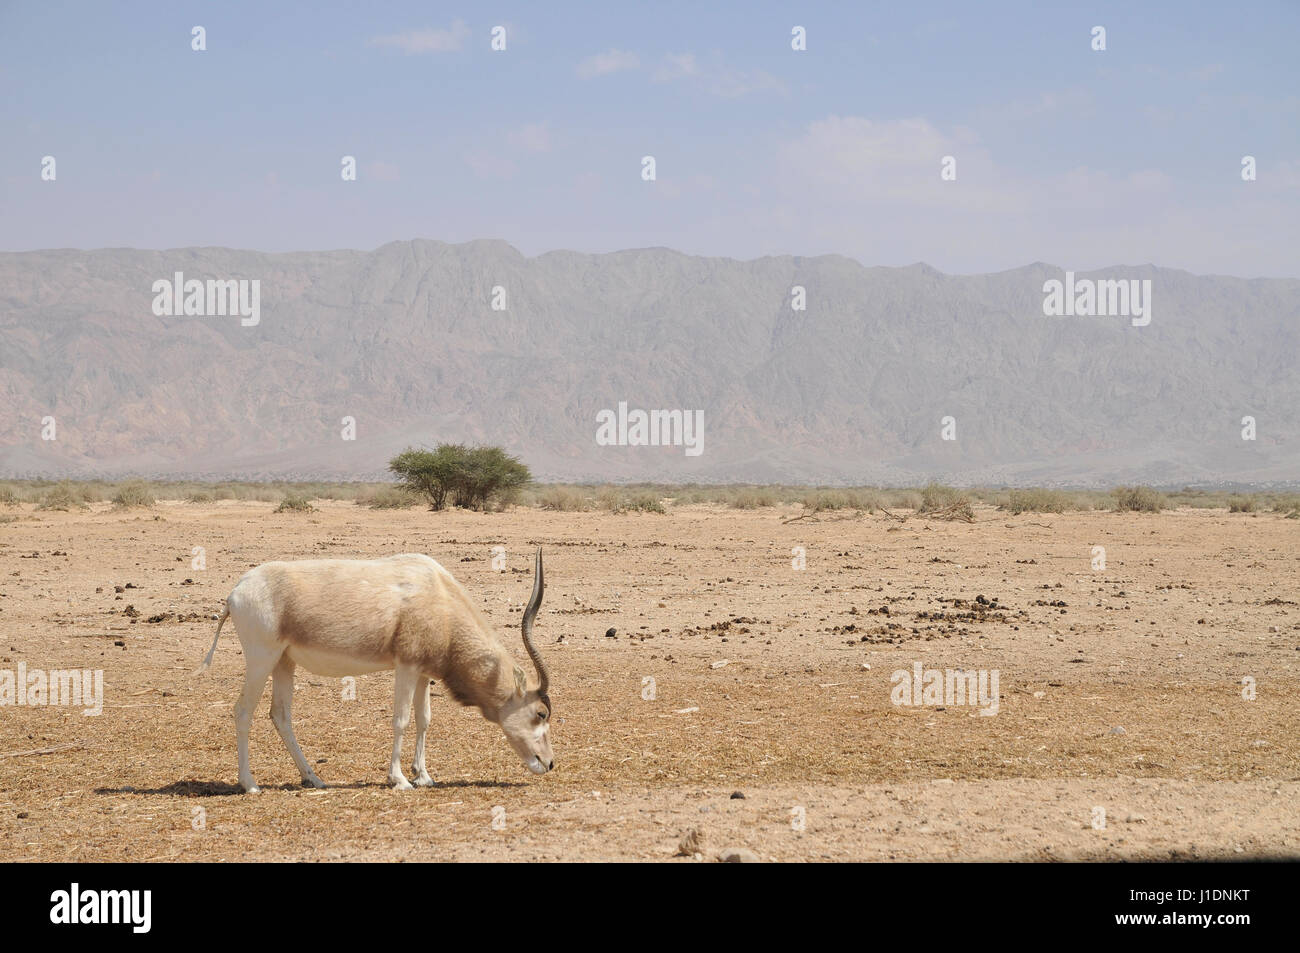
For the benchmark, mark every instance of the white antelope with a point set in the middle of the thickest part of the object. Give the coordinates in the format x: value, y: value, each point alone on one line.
x: 339, y: 617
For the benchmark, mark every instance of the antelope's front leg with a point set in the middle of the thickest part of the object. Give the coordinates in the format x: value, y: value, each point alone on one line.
x: 404, y: 682
x: 422, y: 779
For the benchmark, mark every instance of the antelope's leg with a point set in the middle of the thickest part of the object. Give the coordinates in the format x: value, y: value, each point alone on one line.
x: 282, y: 717
x: 404, y: 680
x: 258, y: 666
x: 422, y: 778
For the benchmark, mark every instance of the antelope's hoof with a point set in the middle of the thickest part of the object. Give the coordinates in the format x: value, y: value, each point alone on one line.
x: 424, y: 781
x: 313, y: 782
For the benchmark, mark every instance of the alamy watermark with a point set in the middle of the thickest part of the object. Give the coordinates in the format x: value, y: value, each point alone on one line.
x: 953, y: 687
x: 213, y: 298
x: 1085, y: 297
x: 651, y: 428
x: 37, y: 688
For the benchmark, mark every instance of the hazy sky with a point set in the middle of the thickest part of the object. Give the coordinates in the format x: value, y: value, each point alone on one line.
x: 1063, y: 154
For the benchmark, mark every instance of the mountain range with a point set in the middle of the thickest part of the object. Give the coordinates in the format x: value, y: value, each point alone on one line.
x: 358, y: 354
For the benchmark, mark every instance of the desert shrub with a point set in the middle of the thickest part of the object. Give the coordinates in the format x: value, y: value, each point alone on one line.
x: 134, y: 493
x: 1138, y: 499
x: 1288, y: 503
x: 198, y: 496
x: 1242, y: 504
x: 947, y: 501
x: 7, y: 495
x: 902, y: 499
x: 564, y: 499
x: 852, y: 498
x: 295, y: 503
x: 388, y: 498
x: 60, y: 497
x: 1037, y: 501
x: 752, y: 499
x: 617, y: 500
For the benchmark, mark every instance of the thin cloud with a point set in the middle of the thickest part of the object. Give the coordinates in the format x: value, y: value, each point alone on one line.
x: 611, y: 61
x: 718, y: 79
x: 425, y: 41
x: 676, y: 66
x: 531, y: 137
x: 382, y: 171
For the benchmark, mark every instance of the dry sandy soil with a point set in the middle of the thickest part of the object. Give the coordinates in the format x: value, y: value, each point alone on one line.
x: 1189, y: 603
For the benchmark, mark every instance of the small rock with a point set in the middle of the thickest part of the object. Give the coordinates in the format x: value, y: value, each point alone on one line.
x: 737, y: 795
x: 719, y: 663
x: 611, y: 633
x: 737, y: 855
x: 1134, y: 818
x: 690, y: 843
x: 867, y: 666
x: 1118, y: 730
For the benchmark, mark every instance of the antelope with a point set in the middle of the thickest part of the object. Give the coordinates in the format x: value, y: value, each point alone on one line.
x: 338, y: 617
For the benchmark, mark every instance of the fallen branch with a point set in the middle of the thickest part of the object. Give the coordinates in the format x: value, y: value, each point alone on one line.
x: 51, y: 750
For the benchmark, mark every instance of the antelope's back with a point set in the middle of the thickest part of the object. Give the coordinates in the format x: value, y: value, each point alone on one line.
x: 345, y: 605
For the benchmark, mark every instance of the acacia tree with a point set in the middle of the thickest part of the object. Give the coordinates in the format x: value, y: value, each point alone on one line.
x: 472, y: 477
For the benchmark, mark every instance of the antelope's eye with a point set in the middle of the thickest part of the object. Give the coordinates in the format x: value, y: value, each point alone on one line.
x: 541, y: 716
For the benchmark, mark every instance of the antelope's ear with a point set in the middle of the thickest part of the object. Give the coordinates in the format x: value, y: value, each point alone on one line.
x: 521, y: 682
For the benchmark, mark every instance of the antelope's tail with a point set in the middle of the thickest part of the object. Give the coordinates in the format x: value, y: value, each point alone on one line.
x: 207, y: 662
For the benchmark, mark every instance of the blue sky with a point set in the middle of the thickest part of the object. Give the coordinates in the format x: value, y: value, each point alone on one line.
x: 1079, y: 158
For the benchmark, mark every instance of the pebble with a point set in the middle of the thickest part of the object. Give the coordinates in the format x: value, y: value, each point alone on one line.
x: 737, y: 855
x: 690, y: 844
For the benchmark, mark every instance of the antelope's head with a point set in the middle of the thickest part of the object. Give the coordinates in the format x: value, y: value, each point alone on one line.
x: 526, y: 716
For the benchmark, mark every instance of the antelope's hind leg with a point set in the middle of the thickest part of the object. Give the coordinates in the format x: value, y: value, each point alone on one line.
x: 258, y: 665
x: 422, y: 779
x: 282, y: 717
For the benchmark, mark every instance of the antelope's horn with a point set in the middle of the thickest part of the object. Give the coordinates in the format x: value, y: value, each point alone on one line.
x: 530, y: 613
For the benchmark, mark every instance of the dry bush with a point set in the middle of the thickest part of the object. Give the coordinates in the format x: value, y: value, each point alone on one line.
x: 60, y: 497
x: 562, y: 499
x: 629, y: 501
x: 295, y: 503
x: 1037, y: 501
x: 198, y: 496
x: 134, y: 493
x: 1287, y: 503
x: 945, y: 502
x: 1242, y: 504
x: 902, y: 499
x: 851, y: 498
x: 752, y: 499
x: 1138, y: 499
x: 387, y: 498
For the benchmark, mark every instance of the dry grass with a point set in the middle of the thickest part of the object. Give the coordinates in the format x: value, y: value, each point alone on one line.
x: 793, y: 719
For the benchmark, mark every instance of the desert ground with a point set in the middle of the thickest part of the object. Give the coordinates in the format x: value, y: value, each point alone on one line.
x: 1125, y: 726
